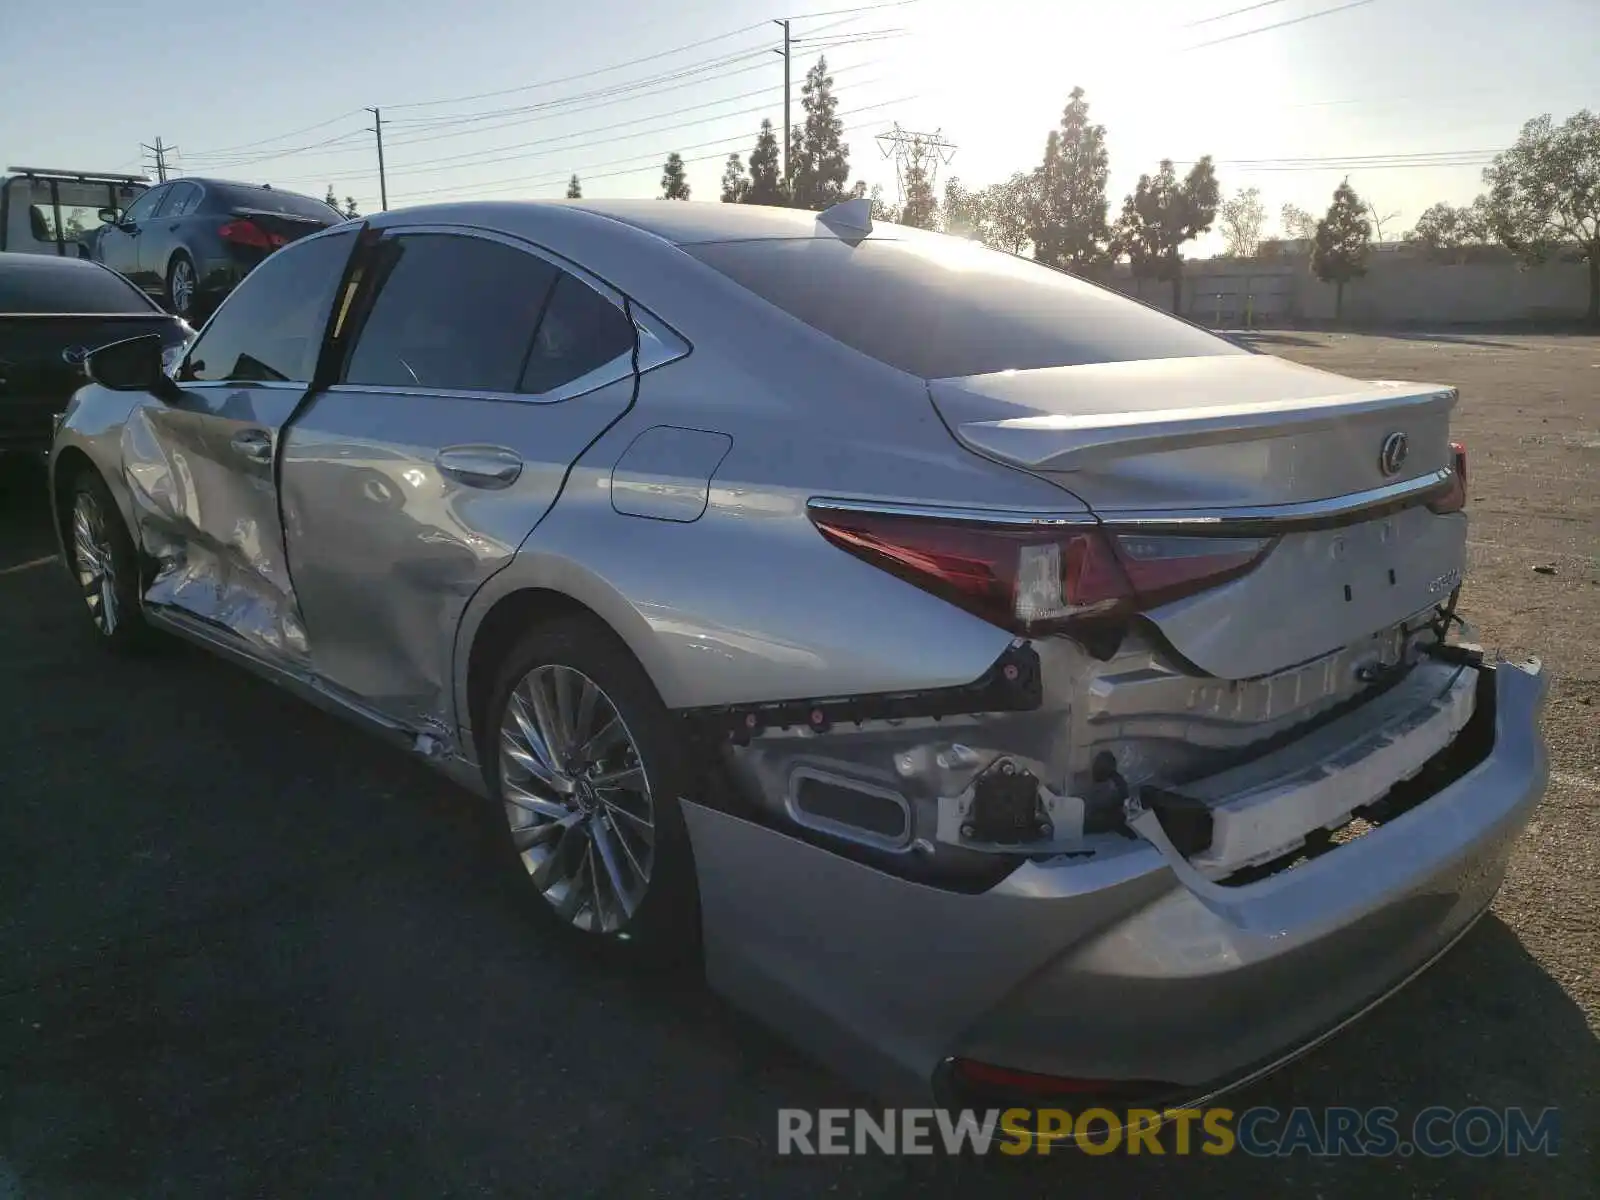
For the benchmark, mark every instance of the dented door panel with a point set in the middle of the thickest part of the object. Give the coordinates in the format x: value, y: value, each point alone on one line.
x: 399, y: 506
x: 205, y: 503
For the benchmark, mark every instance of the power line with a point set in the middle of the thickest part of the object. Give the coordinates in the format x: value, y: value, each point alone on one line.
x: 1232, y: 13
x: 727, y: 144
x: 1325, y: 12
x: 355, y: 112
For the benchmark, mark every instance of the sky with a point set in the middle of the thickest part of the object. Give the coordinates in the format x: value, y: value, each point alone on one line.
x: 506, y: 98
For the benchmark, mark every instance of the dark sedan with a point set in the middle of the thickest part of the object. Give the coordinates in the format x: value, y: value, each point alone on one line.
x: 53, y: 312
x: 189, y: 242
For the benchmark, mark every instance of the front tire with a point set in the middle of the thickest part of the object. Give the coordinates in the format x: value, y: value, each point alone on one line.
x: 585, y: 763
x: 102, y: 559
x: 183, y: 287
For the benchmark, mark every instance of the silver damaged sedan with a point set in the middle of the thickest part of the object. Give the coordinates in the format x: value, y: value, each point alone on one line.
x: 1007, y: 689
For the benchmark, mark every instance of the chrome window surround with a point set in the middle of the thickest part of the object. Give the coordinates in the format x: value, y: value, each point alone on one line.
x: 657, y: 342
x: 1268, y: 519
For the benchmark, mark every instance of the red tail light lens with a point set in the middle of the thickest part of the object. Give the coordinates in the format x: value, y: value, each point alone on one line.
x: 1455, y: 499
x: 1038, y: 578
x: 248, y: 233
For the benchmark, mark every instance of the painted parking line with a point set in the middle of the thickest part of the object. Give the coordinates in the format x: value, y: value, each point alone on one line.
x: 18, y: 568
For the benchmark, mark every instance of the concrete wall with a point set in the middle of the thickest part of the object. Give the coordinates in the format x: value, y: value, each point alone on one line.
x: 1400, y: 287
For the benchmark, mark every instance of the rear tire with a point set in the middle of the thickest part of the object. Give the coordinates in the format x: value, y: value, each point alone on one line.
x: 183, y: 287
x: 103, y: 561
x: 585, y: 766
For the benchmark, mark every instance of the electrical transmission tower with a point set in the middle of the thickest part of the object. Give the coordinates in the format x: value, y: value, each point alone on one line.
x: 915, y: 151
x: 159, y: 153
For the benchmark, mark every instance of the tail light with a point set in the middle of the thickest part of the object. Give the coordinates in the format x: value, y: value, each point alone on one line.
x: 248, y: 233
x: 1038, y: 579
x: 1455, y: 499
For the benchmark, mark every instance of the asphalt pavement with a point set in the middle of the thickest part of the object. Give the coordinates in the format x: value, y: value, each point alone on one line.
x: 247, y: 950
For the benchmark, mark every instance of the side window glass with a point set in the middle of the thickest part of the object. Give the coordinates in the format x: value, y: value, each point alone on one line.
x: 179, y: 201
x: 581, y: 330
x: 450, y: 312
x: 270, y: 328
x: 145, y: 206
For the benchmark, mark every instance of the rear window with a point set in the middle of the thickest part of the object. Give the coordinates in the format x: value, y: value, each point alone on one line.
x: 43, y: 285
x: 270, y: 200
x: 938, y: 307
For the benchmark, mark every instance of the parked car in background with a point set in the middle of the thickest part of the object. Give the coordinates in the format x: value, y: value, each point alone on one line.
x: 190, y: 241
x: 1013, y: 690
x: 53, y: 313
x: 57, y: 212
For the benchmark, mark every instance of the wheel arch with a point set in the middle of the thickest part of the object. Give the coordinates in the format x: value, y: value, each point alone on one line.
x: 70, y: 463
x: 512, y: 603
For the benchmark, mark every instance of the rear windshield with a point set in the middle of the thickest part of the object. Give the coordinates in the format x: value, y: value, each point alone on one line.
x: 272, y: 201
x: 938, y: 307
x: 38, y: 284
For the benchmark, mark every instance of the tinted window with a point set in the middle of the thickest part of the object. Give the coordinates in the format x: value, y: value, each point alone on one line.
x: 271, y: 327
x: 451, y: 312
x: 939, y: 307
x: 145, y: 206
x: 581, y: 330
x: 180, y: 200
x: 234, y: 195
x: 43, y: 285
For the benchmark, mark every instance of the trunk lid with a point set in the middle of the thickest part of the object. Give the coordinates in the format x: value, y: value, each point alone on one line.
x: 1197, y: 445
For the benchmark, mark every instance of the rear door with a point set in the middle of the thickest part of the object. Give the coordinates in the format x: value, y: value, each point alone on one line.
x: 163, y: 232
x: 202, y: 468
x: 476, y: 370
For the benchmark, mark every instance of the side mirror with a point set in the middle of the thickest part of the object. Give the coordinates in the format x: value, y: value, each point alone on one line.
x: 109, y: 216
x: 135, y: 365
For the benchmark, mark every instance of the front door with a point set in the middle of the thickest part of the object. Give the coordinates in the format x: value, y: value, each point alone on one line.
x: 118, y: 245
x: 203, y: 468
x: 477, y: 372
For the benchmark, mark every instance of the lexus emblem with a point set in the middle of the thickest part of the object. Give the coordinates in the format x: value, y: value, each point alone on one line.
x: 1393, y: 455
x: 74, y: 355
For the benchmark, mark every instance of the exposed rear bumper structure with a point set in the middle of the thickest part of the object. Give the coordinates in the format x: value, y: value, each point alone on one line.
x: 1120, y: 966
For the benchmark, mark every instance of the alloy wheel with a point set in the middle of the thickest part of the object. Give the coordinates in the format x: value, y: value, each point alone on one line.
x: 577, y: 798
x: 182, y: 286
x: 95, y: 563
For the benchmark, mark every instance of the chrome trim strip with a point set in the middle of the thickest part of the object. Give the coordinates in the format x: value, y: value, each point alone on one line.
x: 1270, y: 519
x: 1286, y: 518
x: 1029, y: 518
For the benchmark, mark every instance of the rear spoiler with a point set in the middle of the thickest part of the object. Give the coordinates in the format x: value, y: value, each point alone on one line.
x: 1058, y: 442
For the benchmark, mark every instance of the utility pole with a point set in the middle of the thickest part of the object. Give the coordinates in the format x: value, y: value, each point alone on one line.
x: 383, y: 183
x: 160, y: 153
x: 786, y: 126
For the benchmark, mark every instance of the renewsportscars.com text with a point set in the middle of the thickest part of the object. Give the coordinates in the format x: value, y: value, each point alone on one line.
x: 1260, y: 1132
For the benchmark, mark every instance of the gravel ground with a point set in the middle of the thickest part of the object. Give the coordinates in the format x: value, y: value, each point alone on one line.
x: 247, y: 951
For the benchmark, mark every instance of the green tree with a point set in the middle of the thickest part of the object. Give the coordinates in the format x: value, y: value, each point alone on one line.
x: 766, y: 179
x: 1161, y: 215
x: 330, y: 199
x: 1544, y: 193
x: 673, y: 184
x: 1339, y: 251
x: 351, y: 212
x: 735, y: 183
x: 574, y: 188
x: 920, y: 208
x: 1443, y: 230
x: 820, y: 169
x: 1068, y: 229
x: 1242, y: 218
x: 1298, y: 223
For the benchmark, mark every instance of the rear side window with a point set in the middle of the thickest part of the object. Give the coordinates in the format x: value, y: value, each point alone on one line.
x: 42, y: 285
x: 939, y: 307
x: 451, y: 312
x: 270, y: 329
x: 225, y: 197
x: 581, y: 331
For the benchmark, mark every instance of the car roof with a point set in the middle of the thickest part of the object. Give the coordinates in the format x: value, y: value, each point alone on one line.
x: 15, y: 263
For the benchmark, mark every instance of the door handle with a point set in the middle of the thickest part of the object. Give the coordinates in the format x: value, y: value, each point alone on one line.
x: 479, y: 466
x: 254, y: 444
